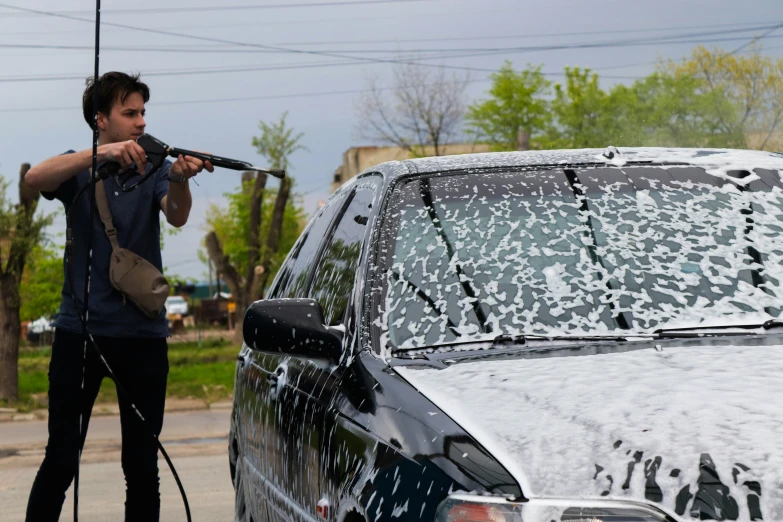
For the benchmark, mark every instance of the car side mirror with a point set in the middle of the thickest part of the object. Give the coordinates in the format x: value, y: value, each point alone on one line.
x: 292, y: 327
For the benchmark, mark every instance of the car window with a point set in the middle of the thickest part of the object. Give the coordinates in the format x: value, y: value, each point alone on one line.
x: 296, y: 270
x: 334, y: 277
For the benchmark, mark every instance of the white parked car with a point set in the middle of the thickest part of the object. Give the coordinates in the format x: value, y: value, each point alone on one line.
x: 176, y: 305
x: 38, y: 327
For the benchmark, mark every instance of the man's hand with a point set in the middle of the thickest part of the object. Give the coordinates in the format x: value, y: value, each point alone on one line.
x: 188, y: 166
x: 125, y: 153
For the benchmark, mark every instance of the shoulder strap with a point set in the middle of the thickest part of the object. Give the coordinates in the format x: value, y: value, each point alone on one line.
x: 105, y: 213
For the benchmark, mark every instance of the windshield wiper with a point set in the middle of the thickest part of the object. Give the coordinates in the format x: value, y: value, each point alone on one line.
x: 522, y: 339
x: 517, y: 340
x: 465, y: 282
x: 661, y: 333
x: 692, y: 331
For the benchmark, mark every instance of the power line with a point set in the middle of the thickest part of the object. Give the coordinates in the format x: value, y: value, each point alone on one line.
x: 756, y: 39
x: 201, y: 50
x: 315, y: 189
x: 255, y: 69
x: 219, y: 100
x: 596, y: 45
x: 186, y: 72
x: 180, y: 263
x: 193, y: 9
x: 303, y: 51
x: 745, y: 27
x: 277, y: 96
x: 297, y: 21
x: 530, y: 35
x: 258, y: 98
x: 190, y: 72
x: 462, y: 53
x: 220, y: 40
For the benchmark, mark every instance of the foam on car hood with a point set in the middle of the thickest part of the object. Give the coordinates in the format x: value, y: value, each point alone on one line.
x: 695, y: 430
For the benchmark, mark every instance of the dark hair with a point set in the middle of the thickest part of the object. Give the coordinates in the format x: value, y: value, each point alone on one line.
x: 112, y: 87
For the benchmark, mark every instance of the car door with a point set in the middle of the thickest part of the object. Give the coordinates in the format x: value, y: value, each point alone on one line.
x: 311, y: 384
x: 263, y: 376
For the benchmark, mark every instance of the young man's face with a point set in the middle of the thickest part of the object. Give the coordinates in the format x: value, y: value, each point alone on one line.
x: 125, y: 121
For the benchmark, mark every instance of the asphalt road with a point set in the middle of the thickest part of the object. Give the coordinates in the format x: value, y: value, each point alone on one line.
x: 196, y: 442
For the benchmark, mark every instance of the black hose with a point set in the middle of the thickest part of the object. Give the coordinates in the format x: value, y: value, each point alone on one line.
x: 121, y: 390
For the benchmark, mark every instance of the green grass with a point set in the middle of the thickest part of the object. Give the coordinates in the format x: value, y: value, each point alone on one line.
x: 205, y: 373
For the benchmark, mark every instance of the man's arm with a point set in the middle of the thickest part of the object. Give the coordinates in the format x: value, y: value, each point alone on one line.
x: 48, y: 175
x: 177, y: 203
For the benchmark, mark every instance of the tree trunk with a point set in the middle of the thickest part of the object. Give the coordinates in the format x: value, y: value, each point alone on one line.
x: 10, y: 331
x: 231, y: 276
x: 523, y: 139
x: 251, y: 288
x: 254, y: 241
x: 275, y: 229
x: 23, y: 238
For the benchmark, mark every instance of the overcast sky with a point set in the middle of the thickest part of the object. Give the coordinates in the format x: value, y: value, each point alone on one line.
x: 219, y: 110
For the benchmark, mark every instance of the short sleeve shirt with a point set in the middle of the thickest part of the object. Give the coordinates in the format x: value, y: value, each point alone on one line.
x: 136, y: 216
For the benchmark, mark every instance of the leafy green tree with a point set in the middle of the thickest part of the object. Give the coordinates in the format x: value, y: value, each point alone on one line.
x: 277, y: 142
x: 662, y: 109
x: 232, y: 226
x: 579, y: 108
x: 42, y: 283
x: 746, y: 92
x: 665, y: 109
x: 517, y: 112
x: 21, y: 229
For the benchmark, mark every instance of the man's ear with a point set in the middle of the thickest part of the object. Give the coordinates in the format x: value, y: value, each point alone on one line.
x: 102, y: 121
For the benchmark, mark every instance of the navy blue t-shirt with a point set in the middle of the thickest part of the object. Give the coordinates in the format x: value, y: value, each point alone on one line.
x: 136, y: 216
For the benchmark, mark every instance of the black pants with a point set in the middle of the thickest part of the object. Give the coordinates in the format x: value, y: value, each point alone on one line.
x: 141, y: 366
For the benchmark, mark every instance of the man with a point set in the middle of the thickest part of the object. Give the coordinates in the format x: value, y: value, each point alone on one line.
x: 133, y: 345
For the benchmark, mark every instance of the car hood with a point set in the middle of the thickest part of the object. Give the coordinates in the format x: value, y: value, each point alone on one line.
x: 695, y: 428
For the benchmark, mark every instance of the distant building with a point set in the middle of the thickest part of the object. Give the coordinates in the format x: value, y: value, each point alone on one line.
x: 357, y: 159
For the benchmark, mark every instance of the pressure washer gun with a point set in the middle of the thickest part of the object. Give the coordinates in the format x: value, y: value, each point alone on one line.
x: 157, y: 151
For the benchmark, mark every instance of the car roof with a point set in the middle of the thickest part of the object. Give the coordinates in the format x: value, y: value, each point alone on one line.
x: 723, y: 159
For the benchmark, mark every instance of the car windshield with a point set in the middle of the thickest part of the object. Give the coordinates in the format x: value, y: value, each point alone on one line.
x: 474, y: 255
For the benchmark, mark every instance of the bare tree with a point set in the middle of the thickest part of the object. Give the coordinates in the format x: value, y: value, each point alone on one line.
x: 275, y: 231
x: 424, y: 108
x: 242, y: 287
x: 250, y: 287
x: 276, y: 143
x: 20, y: 231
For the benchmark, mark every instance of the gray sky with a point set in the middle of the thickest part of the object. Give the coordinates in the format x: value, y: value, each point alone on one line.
x: 40, y: 88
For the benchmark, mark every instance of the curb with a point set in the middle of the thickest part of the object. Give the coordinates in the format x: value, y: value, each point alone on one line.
x: 172, y: 405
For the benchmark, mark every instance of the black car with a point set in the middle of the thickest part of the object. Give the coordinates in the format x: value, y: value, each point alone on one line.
x: 536, y: 336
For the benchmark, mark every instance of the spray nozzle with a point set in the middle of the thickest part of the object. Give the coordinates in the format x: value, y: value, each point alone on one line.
x: 157, y: 151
